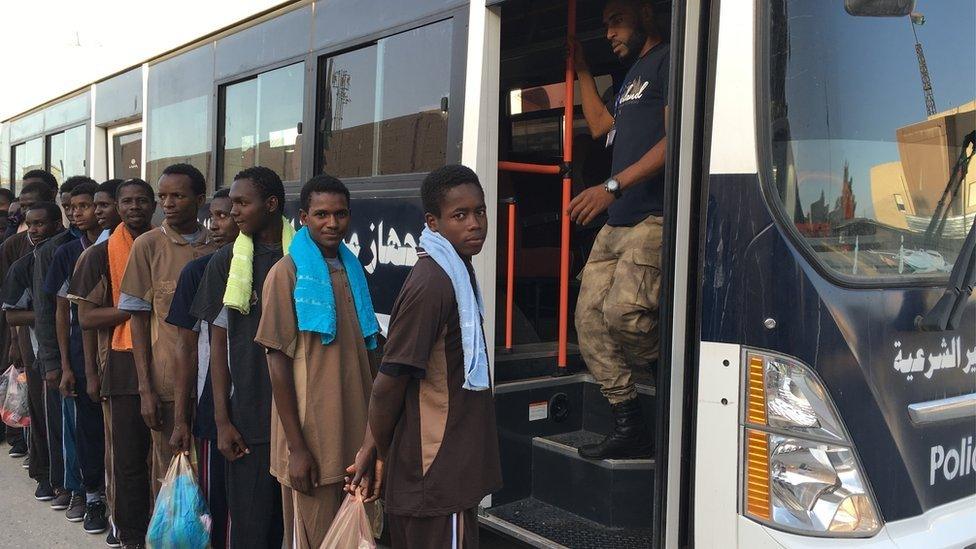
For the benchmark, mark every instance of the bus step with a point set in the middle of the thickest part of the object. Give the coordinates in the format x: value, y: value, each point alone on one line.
x: 614, y: 492
x: 568, y: 529
x: 533, y: 360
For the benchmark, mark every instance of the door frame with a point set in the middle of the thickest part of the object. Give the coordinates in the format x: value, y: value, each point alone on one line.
x: 124, y: 129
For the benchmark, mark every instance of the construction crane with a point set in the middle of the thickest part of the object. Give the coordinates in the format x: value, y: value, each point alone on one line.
x: 918, y: 19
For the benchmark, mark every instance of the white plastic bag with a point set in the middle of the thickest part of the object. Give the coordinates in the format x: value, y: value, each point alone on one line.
x: 351, y: 528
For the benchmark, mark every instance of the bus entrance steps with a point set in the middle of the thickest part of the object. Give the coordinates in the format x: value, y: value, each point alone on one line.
x: 568, y: 529
x: 614, y: 492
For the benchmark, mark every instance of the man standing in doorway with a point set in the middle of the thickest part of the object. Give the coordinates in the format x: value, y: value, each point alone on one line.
x: 616, y: 314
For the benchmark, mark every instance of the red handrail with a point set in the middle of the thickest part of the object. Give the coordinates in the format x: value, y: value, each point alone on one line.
x: 523, y: 167
x: 567, y: 188
x: 563, y: 326
x: 510, y: 288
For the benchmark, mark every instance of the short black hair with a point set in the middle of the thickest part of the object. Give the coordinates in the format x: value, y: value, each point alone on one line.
x: 135, y: 181
x: 110, y: 187
x: 44, y: 176
x: 221, y: 193
x: 197, y: 181
x: 322, y: 183
x: 43, y: 191
x: 443, y: 179
x: 85, y: 187
x: 267, y: 182
x: 72, y: 182
x: 8, y: 194
x: 52, y: 209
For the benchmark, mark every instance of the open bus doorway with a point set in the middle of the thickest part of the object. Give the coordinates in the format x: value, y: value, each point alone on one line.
x: 548, y: 405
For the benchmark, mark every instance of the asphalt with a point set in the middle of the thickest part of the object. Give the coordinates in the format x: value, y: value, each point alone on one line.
x: 26, y: 522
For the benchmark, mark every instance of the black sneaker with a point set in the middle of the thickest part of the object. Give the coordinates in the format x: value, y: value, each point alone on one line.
x: 26, y: 463
x: 111, y: 540
x: 62, y: 499
x: 44, y: 492
x: 95, y: 520
x: 18, y: 451
x: 76, y: 508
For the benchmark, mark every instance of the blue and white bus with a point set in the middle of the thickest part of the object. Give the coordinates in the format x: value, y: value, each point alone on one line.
x: 817, y: 379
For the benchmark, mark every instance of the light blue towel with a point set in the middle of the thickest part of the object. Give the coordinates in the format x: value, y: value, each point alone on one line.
x: 471, y: 308
x: 315, y: 302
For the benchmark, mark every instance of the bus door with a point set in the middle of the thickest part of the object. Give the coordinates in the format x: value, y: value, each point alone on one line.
x: 547, y: 404
x: 836, y: 379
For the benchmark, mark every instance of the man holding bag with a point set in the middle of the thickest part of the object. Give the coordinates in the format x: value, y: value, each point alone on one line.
x: 318, y: 326
x: 432, y: 412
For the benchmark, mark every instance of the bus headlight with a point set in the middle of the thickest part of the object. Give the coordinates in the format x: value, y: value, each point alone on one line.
x: 800, y: 471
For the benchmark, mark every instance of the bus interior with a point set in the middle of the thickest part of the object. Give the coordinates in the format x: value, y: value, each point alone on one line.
x: 547, y: 404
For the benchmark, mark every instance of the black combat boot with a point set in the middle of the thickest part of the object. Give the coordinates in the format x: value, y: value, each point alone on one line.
x: 629, y: 438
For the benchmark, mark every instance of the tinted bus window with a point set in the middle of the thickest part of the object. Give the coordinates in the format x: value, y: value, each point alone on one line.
x: 126, y: 155
x: 180, y: 92
x: 858, y: 160
x: 66, y: 153
x: 28, y: 156
x: 260, y: 124
x: 383, y: 107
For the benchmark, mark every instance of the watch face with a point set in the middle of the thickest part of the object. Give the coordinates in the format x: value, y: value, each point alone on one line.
x: 613, y: 186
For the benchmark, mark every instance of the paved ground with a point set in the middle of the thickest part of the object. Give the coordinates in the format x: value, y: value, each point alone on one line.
x: 25, y: 522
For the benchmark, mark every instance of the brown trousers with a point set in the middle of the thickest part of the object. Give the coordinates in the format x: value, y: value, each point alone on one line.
x: 459, y: 530
x: 307, y: 518
x: 616, y: 313
x: 162, y: 453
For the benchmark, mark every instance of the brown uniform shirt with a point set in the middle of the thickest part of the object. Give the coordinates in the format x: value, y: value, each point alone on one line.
x: 444, y: 454
x: 151, y: 274
x: 92, y: 283
x: 332, y: 382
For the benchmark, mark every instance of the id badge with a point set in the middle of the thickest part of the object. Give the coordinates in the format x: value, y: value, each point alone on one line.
x: 610, y: 135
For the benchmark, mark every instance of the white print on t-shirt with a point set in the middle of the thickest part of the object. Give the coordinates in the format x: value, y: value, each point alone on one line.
x: 634, y: 90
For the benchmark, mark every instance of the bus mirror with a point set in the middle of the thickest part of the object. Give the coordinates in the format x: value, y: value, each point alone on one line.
x: 879, y: 8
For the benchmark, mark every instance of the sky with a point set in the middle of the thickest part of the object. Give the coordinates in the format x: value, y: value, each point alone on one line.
x: 54, y: 46
x: 854, y: 80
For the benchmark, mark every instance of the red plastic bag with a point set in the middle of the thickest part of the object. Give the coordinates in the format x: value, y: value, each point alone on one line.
x: 15, y: 411
x: 351, y: 528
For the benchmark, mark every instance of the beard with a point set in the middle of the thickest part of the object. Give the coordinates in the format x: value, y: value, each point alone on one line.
x: 634, y: 45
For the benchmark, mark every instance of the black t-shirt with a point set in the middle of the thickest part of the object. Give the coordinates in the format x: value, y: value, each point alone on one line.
x: 638, y: 125
x: 204, y: 425
x: 250, y: 402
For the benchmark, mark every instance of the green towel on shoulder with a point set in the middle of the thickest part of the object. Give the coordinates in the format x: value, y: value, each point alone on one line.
x: 240, y: 280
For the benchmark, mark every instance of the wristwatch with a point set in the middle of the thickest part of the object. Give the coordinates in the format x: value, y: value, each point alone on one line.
x: 612, y: 186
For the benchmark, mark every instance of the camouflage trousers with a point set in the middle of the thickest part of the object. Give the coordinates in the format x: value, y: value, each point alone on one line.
x: 617, y: 309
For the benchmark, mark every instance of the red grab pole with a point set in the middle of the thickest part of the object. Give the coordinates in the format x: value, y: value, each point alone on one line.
x: 522, y: 167
x: 567, y: 189
x: 510, y: 276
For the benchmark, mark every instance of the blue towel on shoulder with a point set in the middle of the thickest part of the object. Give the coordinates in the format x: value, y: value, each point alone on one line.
x: 315, y: 302
x: 471, y: 308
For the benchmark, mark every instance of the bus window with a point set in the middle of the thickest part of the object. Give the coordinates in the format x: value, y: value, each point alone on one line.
x: 861, y: 153
x: 376, y: 99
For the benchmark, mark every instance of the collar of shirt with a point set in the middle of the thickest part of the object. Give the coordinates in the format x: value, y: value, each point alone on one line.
x: 177, y: 238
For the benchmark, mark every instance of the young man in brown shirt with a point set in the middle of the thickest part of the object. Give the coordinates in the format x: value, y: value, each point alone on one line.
x: 151, y: 274
x: 321, y: 389
x: 92, y: 289
x: 432, y: 411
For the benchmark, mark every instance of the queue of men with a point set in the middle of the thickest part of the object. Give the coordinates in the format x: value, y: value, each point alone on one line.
x: 253, y: 348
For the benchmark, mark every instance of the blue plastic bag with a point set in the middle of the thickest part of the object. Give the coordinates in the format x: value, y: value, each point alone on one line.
x: 181, y: 519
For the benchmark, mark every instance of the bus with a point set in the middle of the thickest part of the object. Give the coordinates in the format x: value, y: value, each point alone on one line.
x: 816, y: 385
